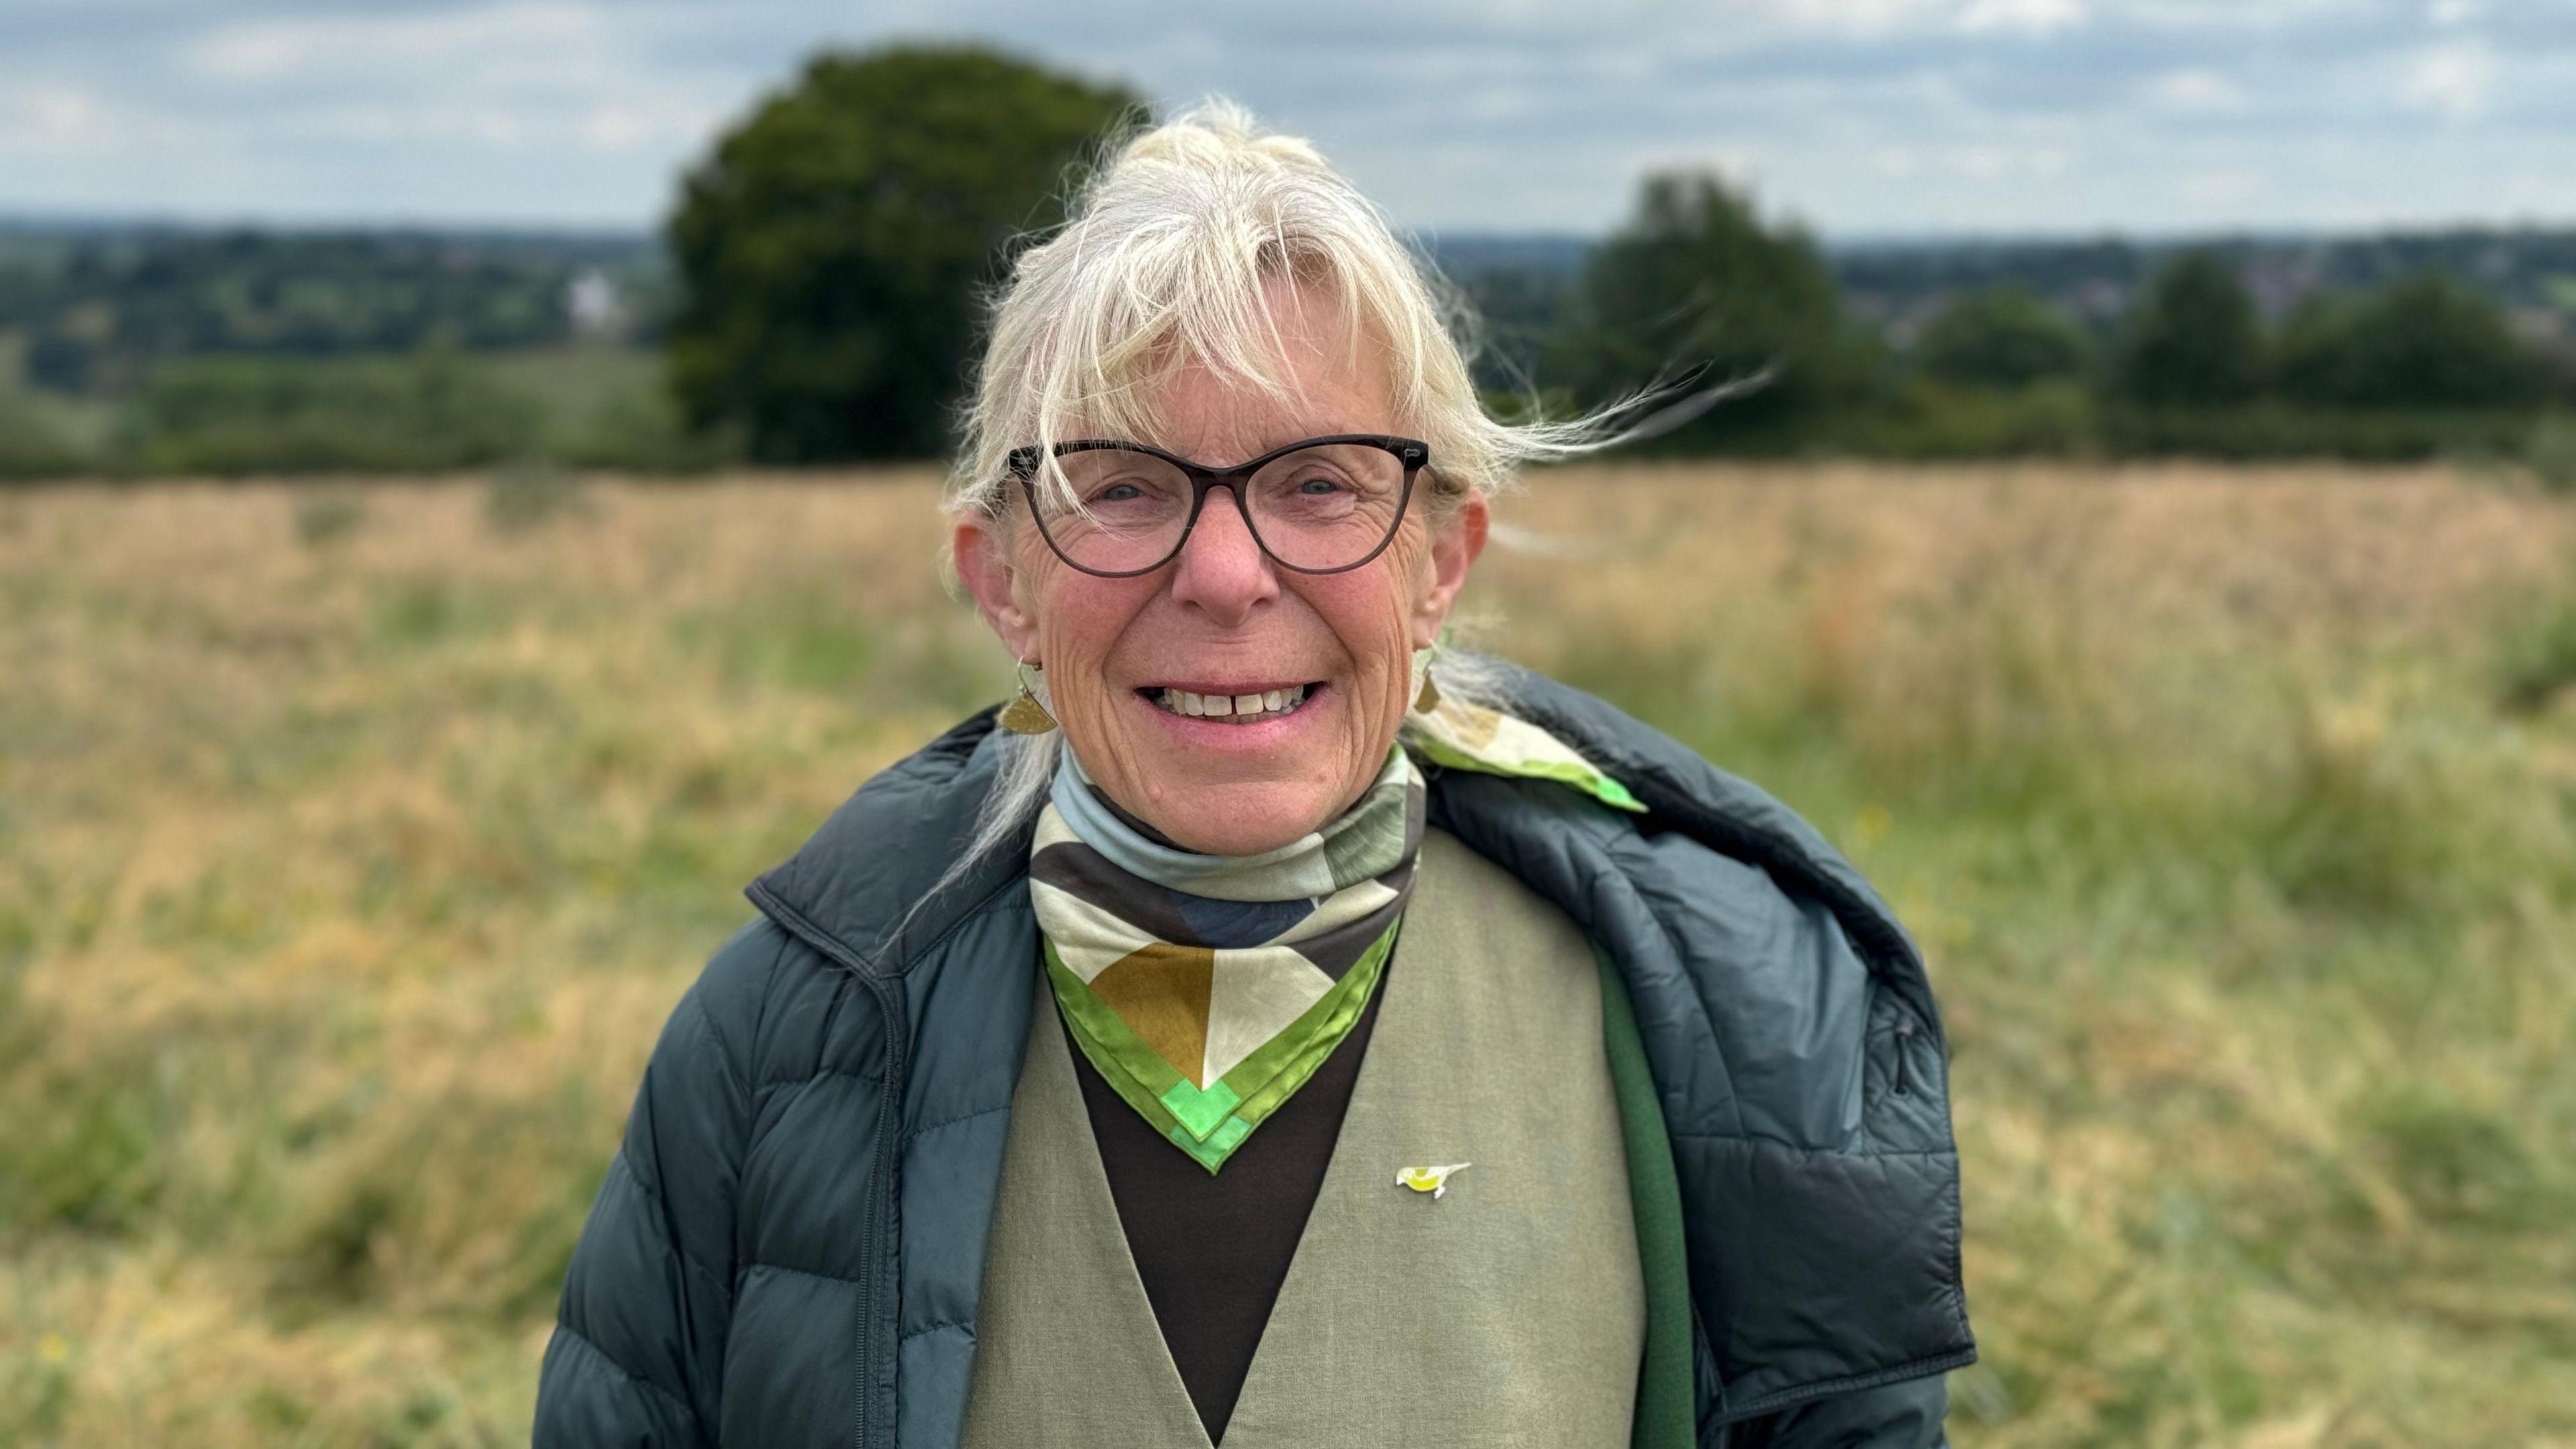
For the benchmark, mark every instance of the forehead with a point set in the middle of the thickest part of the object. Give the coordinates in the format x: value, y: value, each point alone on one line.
x: 1317, y: 373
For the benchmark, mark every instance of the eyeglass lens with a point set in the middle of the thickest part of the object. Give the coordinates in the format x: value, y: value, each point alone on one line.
x: 1324, y: 507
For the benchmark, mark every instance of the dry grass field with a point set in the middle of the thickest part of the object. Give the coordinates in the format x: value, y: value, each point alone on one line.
x: 354, y: 844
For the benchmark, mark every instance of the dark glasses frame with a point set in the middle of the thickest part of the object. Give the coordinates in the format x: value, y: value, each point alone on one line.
x: 1413, y: 453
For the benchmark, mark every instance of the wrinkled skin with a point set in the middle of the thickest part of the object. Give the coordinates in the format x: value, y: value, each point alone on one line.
x: 1222, y: 613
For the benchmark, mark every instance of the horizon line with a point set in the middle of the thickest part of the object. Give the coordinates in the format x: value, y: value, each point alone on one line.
x: 1433, y: 237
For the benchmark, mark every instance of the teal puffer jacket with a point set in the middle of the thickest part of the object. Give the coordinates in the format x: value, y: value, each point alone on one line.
x: 788, y: 1247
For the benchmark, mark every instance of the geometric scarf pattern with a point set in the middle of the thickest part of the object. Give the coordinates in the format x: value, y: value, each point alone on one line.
x: 1207, y: 989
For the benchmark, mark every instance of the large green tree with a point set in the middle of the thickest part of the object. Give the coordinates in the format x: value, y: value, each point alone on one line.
x: 2193, y: 340
x: 2005, y: 337
x: 831, y: 248
x: 1696, y: 280
x: 2423, y: 341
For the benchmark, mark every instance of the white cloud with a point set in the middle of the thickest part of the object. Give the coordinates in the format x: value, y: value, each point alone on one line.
x: 648, y: 124
x: 49, y: 118
x: 1874, y: 19
x: 467, y: 121
x: 2219, y: 190
x: 1877, y: 116
x: 1856, y: 17
x: 1740, y: 164
x: 559, y: 77
x: 2452, y: 81
x: 2034, y: 16
x: 535, y: 34
x: 1991, y: 164
x: 2196, y: 91
x: 58, y: 114
x: 2219, y: 17
x: 2528, y: 194
x: 615, y: 128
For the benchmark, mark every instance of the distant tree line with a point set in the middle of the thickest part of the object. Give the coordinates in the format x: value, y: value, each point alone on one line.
x: 2418, y: 365
x: 158, y: 350
x: 815, y: 300
x: 2528, y: 270
x: 95, y: 311
x: 827, y: 253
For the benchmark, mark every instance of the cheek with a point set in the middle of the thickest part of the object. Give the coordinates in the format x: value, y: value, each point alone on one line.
x: 1385, y: 599
x: 1077, y: 630
x: 1372, y: 617
x: 1078, y: 619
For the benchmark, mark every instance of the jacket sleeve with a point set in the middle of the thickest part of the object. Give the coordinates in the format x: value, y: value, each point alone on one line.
x: 1905, y: 1415
x: 637, y: 1356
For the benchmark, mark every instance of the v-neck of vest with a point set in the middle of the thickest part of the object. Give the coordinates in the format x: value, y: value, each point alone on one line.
x: 1337, y: 1167
x: 1397, y: 989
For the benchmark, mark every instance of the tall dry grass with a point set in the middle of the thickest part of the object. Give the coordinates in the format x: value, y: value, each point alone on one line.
x: 354, y: 845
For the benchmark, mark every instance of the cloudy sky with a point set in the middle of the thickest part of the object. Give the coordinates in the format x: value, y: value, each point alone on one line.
x: 1864, y: 117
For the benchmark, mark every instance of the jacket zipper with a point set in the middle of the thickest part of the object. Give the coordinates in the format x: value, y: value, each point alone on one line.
x: 1904, y: 1045
x: 889, y: 1115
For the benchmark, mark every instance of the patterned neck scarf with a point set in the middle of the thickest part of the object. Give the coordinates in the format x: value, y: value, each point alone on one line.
x: 1206, y: 989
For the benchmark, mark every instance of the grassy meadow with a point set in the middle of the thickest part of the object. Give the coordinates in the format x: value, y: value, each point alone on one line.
x: 354, y: 843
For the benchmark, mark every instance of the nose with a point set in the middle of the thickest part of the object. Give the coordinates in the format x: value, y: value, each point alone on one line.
x: 1221, y: 569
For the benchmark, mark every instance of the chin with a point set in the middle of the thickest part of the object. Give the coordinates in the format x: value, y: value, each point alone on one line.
x: 1240, y: 818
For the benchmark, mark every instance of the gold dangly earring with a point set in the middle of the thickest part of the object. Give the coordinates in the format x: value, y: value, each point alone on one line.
x: 1426, y: 696
x: 1024, y: 715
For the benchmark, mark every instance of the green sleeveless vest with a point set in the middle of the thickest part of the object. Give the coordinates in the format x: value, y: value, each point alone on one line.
x: 1510, y: 1310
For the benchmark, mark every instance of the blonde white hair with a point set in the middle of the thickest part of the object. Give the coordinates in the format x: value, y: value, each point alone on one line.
x: 1164, y: 262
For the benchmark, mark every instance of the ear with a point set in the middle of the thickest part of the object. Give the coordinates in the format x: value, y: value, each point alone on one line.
x: 1455, y: 546
x: 984, y: 567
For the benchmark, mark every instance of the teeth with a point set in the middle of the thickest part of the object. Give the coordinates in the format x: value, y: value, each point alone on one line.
x: 1244, y: 707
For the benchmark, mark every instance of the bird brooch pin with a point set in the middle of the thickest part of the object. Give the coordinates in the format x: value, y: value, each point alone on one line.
x: 1433, y: 1180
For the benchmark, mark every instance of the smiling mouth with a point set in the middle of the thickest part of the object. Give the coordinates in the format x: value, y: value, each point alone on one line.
x: 1251, y: 708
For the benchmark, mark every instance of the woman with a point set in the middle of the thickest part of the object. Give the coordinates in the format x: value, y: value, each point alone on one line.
x: 1271, y: 1029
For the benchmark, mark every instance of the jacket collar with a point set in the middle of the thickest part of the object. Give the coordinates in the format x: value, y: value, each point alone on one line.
x: 873, y: 861
x: 859, y: 890
x: 1730, y: 815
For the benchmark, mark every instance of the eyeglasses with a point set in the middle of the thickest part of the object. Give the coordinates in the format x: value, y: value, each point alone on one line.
x: 1321, y: 506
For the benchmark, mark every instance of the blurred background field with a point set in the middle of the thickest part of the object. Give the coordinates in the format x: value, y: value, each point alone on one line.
x: 355, y: 841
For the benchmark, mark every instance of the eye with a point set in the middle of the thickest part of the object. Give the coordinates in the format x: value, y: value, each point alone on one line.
x: 1317, y: 485
x: 1113, y: 491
